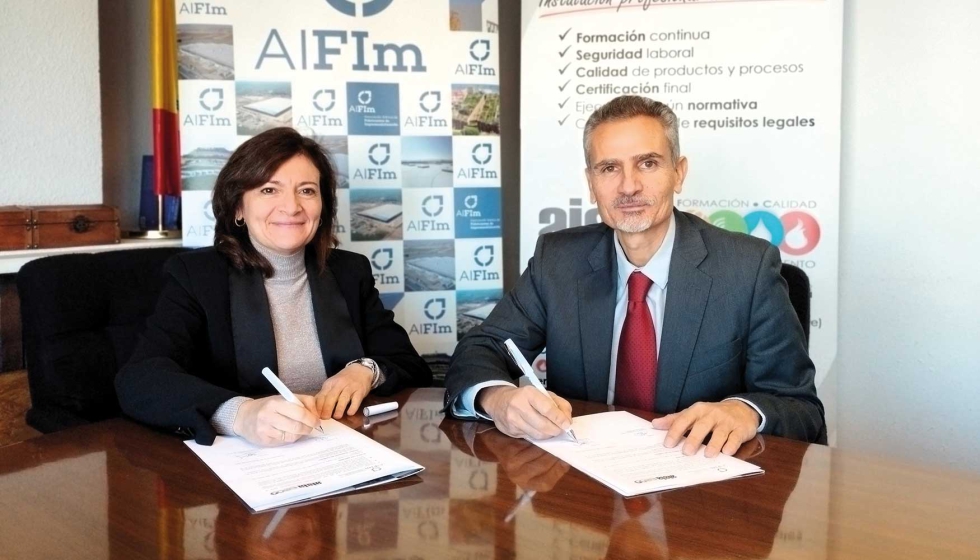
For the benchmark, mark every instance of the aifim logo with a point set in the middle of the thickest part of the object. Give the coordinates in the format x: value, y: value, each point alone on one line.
x: 429, y: 102
x: 479, y: 52
x: 364, y: 103
x: 381, y: 260
x: 368, y: 7
x: 324, y: 100
x: 436, y: 313
x: 481, y: 155
x: 210, y: 99
x: 483, y: 256
x: 435, y: 308
x: 470, y: 203
x: 380, y: 153
x: 433, y: 207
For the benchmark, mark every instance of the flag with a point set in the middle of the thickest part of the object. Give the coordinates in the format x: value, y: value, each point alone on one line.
x: 166, y: 132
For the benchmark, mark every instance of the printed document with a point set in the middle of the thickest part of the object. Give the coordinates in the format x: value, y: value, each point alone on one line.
x: 336, y: 461
x: 625, y: 453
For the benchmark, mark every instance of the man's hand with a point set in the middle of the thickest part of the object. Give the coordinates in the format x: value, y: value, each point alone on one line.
x: 526, y: 464
x: 730, y: 423
x: 345, y: 390
x: 274, y: 421
x: 525, y: 411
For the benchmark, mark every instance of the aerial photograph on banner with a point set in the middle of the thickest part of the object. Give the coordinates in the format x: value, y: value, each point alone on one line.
x: 336, y: 147
x: 205, y: 52
x: 200, y: 167
x: 261, y: 106
x: 430, y: 265
x: 473, y: 307
x: 476, y: 110
x: 375, y: 214
x: 473, y: 15
x: 427, y: 162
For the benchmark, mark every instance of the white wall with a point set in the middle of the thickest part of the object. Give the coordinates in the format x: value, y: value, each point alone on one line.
x: 50, y: 136
x: 909, y: 352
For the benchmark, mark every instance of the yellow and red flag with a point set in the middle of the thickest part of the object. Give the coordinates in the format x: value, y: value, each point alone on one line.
x: 166, y: 129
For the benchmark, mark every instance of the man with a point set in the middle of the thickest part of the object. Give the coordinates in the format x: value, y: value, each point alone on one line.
x: 720, y: 342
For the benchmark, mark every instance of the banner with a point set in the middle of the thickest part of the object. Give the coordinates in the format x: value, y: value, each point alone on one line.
x: 404, y: 95
x: 756, y: 86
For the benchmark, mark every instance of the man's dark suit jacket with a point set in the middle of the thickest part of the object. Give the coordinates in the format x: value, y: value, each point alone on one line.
x: 729, y: 327
x: 212, y: 334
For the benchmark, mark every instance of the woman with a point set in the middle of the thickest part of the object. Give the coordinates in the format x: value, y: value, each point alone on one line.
x: 272, y: 292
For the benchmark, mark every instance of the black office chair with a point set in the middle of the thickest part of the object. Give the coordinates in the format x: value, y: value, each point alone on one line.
x: 799, y: 295
x: 81, y: 316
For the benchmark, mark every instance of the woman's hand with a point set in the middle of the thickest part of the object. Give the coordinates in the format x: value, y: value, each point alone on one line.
x: 273, y: 421
x: 345, y: 390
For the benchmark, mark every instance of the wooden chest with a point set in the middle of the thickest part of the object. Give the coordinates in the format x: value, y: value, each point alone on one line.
x: 16, y: 231
x: 73, y: 226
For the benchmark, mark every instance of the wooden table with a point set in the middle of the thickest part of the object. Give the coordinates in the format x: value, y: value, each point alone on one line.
x: 118, y: 490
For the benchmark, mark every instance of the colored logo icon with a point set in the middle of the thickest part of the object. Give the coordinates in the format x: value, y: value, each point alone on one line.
x: 802, y: 233
x: 368, y: 8
x: 764, y: 225
x: 470, y: 201
x: 324, y: 100
x: 379, y: 154
x: 430, y: 101
x: 435, y: 308
x: 383, y: 258
x: 483, y: 252
x: 726, y: 219
x: 432, y: 205
x: 364, y: 97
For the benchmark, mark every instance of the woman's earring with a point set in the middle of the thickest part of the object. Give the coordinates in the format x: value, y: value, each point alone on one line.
x: 240, y: 224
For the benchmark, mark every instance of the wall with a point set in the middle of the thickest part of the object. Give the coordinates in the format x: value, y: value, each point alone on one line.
x: 909, y: 352
x: 50, y: 140
x: 124, y: 36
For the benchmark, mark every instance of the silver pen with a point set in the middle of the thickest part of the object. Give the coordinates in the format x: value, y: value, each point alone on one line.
x: 515, y: 354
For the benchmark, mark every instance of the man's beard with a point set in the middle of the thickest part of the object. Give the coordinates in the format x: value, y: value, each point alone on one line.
x: 635, y: 223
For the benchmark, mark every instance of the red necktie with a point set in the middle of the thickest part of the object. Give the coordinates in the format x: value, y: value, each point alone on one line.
x: 636, y: 363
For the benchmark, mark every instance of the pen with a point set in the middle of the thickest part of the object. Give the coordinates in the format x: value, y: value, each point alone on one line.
x: 283, y: 390
x: 515, y: 354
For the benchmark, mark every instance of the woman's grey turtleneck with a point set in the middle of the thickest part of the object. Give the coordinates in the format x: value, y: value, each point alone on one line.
x: 297, y: 345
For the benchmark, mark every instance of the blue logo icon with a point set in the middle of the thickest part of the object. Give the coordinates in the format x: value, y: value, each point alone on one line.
x: 368, y: 8
x: 383, y: 148
x: 382, y: 264
x: 212, y: 105
x: 480, y: 50
x: 487, y: 252
x: 364, y: 97
x: 476, y: 156
x: 435, y: 97
x: 435, y: 308
x: 437, y: 199
x: 324, y: 100
x: 470, y: 201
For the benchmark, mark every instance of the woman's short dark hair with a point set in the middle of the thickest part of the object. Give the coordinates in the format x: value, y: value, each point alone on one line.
x: 252, y: 165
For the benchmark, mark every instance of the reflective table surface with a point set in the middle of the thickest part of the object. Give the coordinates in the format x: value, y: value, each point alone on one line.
x: 122, y: 491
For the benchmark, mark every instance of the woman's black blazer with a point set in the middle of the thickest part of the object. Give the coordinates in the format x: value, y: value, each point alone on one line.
x: 211, y: 334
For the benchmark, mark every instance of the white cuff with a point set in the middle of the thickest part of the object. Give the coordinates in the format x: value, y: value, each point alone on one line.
x: 762, y: 424
x: 465, y: 404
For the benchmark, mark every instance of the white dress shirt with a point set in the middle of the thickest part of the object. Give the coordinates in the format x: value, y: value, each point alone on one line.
x: 656, y: 269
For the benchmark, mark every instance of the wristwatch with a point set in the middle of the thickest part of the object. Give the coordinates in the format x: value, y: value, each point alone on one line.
x: 379, y: 375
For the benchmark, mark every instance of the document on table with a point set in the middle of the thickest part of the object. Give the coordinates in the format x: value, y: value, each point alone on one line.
x: 336, y: 461
x: 625, y: 453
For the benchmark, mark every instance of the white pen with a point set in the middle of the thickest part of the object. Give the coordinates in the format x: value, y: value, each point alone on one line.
x: 283, y: 390
x: 515, y: 354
